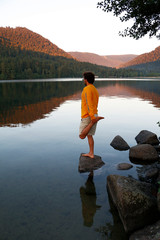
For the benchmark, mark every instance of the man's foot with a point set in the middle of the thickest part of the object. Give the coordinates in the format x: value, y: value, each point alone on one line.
x: 88, y: 155
x: 97, y: 119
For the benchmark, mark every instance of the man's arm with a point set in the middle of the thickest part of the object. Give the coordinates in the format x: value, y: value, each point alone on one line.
x: 90, y: 103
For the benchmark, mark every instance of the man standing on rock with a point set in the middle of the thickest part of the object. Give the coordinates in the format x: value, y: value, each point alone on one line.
x: 89, y: 112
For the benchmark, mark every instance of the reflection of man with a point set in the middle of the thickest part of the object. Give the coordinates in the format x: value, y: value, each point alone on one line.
x: 89, y: 110
x: 88, y: 198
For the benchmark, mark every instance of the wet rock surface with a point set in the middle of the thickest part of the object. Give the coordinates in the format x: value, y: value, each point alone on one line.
x: 151, y: 232
x: 144, y: 153
x: 147, y: 137
x: 138, y: 201
x: 119, y: 143
x: 87, y: 164
x: 134, y: 200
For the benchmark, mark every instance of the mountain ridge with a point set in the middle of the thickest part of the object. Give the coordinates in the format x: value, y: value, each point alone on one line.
x: 152, y: 56
x: 29, y: 40
x: 106, y: 60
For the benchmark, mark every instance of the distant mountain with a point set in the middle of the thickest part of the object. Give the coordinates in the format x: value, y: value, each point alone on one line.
x: 28, y: 40
x: 143, y: 59
x: 108, y: 61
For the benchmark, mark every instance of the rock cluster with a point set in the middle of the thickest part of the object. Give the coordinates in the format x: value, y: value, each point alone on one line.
x: 138, y: 201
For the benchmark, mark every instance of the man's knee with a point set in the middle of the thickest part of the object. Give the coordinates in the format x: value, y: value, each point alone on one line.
x: 82, y: 136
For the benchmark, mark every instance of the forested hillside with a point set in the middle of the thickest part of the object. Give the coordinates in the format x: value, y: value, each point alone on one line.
x: 28, y: 40
x: 144, y: 58
x: 32, y: 59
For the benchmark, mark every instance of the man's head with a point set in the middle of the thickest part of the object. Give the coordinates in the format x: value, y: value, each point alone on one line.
x: 89, y: 76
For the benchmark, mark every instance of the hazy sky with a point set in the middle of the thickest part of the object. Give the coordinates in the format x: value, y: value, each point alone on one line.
x: 74, y: 25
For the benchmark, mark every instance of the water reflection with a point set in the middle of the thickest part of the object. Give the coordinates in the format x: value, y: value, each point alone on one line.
x: 115, y: 230
x: 26, y: 102
x: 88, y: 199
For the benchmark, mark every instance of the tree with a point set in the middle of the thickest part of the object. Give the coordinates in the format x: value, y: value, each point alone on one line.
x: 145, y: 13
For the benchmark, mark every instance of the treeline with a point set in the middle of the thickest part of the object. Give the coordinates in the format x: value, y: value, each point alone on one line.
x: 151, y: 69
x: 16, y: 63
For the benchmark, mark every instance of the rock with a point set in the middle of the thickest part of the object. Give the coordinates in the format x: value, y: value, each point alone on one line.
x: 158, y: 200
x: 143, y: 153
x: 134, y: 201
x: 151, y: 232
x: 87, y: 164
x: 152, y: 173
x: 147, y: 137
x: 148, y: 173
x: 157, y: 147
x: 124, y: 166
x: 119, y: 143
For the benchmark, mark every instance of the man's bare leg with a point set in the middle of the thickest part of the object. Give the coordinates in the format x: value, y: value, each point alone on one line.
x: 91, y: 147
x: 86, y: 130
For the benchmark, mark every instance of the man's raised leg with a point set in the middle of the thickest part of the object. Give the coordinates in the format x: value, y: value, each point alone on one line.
x: 86, y: 130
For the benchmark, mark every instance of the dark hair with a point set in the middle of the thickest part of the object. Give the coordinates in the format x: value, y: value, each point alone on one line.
x: 89, y: 76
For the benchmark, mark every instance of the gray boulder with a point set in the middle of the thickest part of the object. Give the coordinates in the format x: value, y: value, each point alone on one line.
x: 134, y: 201
x: 124, y: 166
x: 143, y: 153
x: 151, y: 232
x: 119, y: 143
x: 147, y: 137
x: 87, y: 164
x: 158, y: 201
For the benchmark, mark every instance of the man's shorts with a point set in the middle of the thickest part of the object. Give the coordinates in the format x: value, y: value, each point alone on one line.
x: 84, y: 123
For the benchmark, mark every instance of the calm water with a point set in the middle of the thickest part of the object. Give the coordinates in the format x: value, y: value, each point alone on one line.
x: 42, y: 194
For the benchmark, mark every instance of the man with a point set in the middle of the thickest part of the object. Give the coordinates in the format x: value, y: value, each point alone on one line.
x: 89, y: 112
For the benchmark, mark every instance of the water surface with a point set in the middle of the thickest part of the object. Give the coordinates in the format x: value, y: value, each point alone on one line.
x: 42, y: 193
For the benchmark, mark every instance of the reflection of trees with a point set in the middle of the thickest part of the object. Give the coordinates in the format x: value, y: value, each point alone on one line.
x: 114, y: 231
x: 88, y: 199
x: 25, y: 102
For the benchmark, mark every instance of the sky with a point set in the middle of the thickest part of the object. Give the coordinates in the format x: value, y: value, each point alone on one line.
x: 74, y: 25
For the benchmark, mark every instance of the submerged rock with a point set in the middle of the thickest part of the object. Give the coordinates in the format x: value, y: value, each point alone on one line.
x: 147, y: 137
x: 124, y: 166
x: 134, y: 201
x: 151, y: 232
x: 144, y: 153
x: 87, y: 164
x: 119, y: 143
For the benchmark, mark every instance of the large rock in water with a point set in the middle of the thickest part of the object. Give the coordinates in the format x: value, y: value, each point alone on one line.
x: 147, y: 137
x: 119, y: 143
x: 151, y: 232
x: 143, y: 153
x: 134, y: 201
x: 87, y: 164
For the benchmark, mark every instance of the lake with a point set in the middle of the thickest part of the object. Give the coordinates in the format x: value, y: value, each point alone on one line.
x: 41, y: 191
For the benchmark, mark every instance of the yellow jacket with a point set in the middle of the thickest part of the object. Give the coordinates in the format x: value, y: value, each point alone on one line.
x: 89, y: 102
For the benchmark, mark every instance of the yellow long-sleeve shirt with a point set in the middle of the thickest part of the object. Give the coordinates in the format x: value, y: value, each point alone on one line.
x: 89, y: 104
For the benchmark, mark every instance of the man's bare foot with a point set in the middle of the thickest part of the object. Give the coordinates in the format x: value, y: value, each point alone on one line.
x: 97, y: 119
x: 88, y: 155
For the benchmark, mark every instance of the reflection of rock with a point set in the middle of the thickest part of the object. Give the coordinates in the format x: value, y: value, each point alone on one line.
x: 148, y: 173
x: 87, y: 164
x: 146, y: 136
x: 134, y: 201
x: 124, y: 166
x: 151, y: 232
x: 119, y: 143
x: 88, y: 198
x: 145, y: 153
